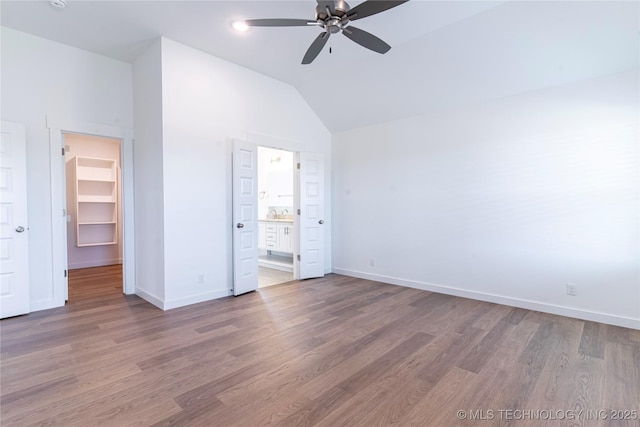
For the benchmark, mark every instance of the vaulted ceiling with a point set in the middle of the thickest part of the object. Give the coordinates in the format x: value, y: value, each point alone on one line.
x: 444, y: 54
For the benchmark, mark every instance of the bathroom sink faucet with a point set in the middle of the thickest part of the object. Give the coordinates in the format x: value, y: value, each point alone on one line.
x: 273, y: 213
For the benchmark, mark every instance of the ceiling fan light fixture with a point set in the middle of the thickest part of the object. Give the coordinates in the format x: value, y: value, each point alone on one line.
x: 240, y: 26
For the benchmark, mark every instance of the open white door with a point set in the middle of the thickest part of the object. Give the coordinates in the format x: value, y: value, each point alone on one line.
x: 311, y: 215
x: 245, y: 217
x: 14, y: 249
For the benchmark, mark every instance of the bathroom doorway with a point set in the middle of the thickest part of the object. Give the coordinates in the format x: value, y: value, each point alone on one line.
x: 275, y: 216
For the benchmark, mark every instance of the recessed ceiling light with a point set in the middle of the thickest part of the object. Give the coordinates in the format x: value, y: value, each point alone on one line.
x: 58, y: 4
x: 240, y: 26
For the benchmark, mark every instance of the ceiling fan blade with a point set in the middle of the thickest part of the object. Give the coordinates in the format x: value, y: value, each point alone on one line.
x: 315, y: 48
x: 366, y: 39
x: 371, y: 7
x: 279, y: 22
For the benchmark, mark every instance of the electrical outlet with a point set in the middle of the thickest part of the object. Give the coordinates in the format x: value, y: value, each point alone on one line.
x: 571, y: 289
x: 372, y: 262
x: 201, y: 278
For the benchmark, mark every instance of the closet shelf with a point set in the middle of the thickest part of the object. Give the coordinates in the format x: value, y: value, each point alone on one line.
x: 96, y: 201
x: 82, y: 245
x: 112, y: 181
x: 97, y: 223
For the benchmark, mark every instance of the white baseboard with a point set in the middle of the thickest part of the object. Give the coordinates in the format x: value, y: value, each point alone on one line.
x: 95, y: 263
x: 594, y: 316
x: 180, y: 302
x: 194, y: 299
x: 150, y: 298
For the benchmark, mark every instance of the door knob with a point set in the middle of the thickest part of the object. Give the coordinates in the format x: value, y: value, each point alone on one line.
x: 19, y: 229
x: 321, y: 222
x: 240, y: 225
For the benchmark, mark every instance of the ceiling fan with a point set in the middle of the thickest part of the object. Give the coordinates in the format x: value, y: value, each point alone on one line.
x: 334, y: 16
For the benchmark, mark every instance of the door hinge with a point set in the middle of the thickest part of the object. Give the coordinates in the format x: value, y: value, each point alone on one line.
x: 298, y: 165
x: 63, y: 151
x: 298, y: 257
x: 65, y: 273
x: 64, y: 212
x: 298, y: 211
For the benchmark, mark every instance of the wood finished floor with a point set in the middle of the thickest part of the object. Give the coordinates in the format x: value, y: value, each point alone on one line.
x: 336, y: 351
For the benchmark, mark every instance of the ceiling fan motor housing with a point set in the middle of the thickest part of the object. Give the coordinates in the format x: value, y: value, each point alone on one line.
x: 339, y: 11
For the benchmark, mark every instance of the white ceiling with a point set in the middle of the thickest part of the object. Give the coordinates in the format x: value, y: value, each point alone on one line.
x: 444, y: 54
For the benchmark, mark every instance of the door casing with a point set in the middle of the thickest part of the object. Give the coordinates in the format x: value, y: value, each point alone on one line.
x: 57, y: 129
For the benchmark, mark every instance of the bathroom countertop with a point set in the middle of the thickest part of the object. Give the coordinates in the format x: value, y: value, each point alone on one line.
x: 275, y: 220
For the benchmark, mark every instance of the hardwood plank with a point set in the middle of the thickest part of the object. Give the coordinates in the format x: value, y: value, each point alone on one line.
x: 387, y: 401
x: 438, y: 320
x: 375, y: 369
x: 201, y: 414
x: 586, y: 388
x: 42, y: 340
x: 593, y: 340
x: 493, y: 314
x: 524, y: 374
x: 473, y: 312
x: 336, y: 396
x: 431, y: 301
x: 34, y: 392
x: 475, y: 399
x: 479, y: 355
x: 438, y: 404
x: 617, y: 334
x: 622, y: 394
x: 555, y: 376
x: 510, y: 349
x: 449, y: 357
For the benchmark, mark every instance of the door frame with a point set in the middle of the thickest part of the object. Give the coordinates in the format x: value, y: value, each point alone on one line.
x: 268, y: 141
x: 278, y: 143
x: 57, y: 129
x: 296, y: 205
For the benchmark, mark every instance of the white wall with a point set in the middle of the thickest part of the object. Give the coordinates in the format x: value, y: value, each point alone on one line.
x: 97, y: 147
x: 149, y: 179
x: 206, y: 103
x: 42, y: 79
x: 506, y: 201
